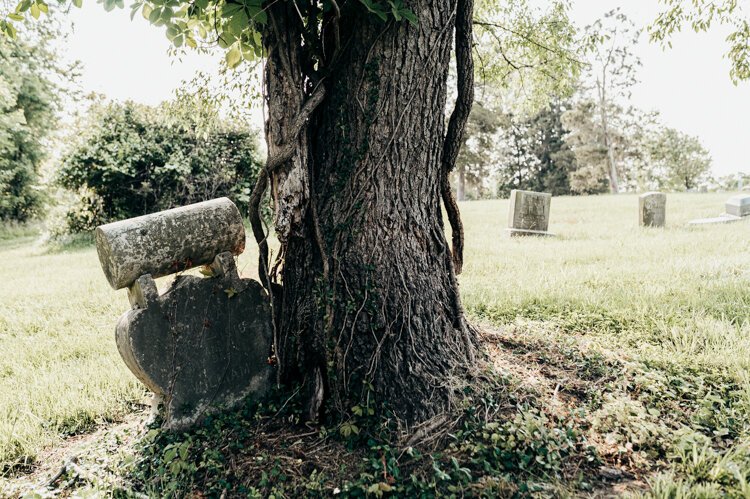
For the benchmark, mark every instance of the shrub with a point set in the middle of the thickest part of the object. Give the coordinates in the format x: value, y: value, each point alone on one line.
x: 132, y: 160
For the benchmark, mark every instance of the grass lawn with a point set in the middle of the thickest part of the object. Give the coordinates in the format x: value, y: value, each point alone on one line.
x: 671, y: 306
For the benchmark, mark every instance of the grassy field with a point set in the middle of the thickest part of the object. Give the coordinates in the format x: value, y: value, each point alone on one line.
x: 675, y: 301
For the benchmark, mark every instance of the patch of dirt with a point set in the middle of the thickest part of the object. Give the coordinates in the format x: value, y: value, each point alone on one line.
x: 56, y: 468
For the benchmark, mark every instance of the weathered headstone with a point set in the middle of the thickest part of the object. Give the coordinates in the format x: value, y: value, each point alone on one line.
x: 739, y: 206
x: 529, y: 213
x: 205, y: 343
x: 652, y: 209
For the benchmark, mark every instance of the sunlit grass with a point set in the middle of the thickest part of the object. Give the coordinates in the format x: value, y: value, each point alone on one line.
x: 677, y: 294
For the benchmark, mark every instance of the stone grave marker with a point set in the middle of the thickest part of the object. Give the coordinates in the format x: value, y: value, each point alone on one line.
x: 652, y: 209
x: 204, y: 344
x: 739, y: 206
x: 529, y: 213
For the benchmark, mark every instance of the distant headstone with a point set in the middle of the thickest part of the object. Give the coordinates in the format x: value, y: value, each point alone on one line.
x: 652, y: 209
x: 529, y: 213
x: 205, y: 343
x: 739, y: 206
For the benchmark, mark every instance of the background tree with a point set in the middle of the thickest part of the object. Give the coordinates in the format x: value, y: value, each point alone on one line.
x: 556, y: 159
x: 520, y: 165
x: 479, y: 154
x: 29, y: 99
x: 610, y: 76
x: 681, y: 158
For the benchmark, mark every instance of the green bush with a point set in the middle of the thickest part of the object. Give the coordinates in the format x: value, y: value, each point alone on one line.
x: 132, y: 160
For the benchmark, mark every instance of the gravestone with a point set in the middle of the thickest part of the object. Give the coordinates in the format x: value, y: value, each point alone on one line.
x: 529, y: 213
x: 205, y: 343
x: 652, y: 209
x: 739, y: 206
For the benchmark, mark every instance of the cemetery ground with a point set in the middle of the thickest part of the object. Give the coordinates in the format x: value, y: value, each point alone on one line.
x: 622, y: 353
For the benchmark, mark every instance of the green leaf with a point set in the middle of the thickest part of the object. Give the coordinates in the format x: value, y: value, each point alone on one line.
x: 146, y: 11
x: 78, y: 3
x: 34, y: 11
x: 410, y: 16
x: 23, y: 6
x: 233, y: 58
x: 153, y: 16
x: 16, y: 17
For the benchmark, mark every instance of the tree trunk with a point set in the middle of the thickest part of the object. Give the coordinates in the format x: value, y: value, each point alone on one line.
x: 370, y: 310
x: 461, y: 183
x: 614, y: 184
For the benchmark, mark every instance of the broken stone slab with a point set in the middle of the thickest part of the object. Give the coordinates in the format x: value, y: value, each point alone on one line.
x: 529, y: 213
x: 721, y: 219
x: 652, y: 209
x: 201, y: 346
x: 170, y: 241
x: 739, y: 206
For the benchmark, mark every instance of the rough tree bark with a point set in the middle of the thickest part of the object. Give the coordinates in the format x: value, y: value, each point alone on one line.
x: 367, y: 303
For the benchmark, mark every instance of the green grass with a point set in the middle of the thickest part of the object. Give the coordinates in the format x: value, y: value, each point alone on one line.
x: 674, y: 293
x: 674, y: 303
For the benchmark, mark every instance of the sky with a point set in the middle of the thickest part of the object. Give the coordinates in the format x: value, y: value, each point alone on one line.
x: 688, y: 84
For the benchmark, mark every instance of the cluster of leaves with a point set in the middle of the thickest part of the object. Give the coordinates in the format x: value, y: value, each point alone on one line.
x: 701, y: 15
x: 528, y: 52
x: 234, y: 25
x: 130, y: 160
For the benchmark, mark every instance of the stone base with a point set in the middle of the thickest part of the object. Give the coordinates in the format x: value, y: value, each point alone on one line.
x: 721, y: 219
x: 525, y: 232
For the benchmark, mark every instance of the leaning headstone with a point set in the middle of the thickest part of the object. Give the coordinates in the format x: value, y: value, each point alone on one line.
x: 652, y: 209
x: 204, y: 344
x: 739, y: 206
x: 529, y: 213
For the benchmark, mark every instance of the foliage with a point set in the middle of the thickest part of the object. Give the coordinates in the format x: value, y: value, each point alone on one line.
x: 556, y: 158
x: 682, y: 159
x: 133, y: 159
x: 701, y: 15
x: 527, y: 53
x: 29, y: 99
x: 534, y: 153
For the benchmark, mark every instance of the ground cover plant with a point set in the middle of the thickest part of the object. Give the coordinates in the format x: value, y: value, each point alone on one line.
x: 619, y: 353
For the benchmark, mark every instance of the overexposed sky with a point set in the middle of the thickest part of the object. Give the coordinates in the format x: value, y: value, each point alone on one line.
x: 689, y: 84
